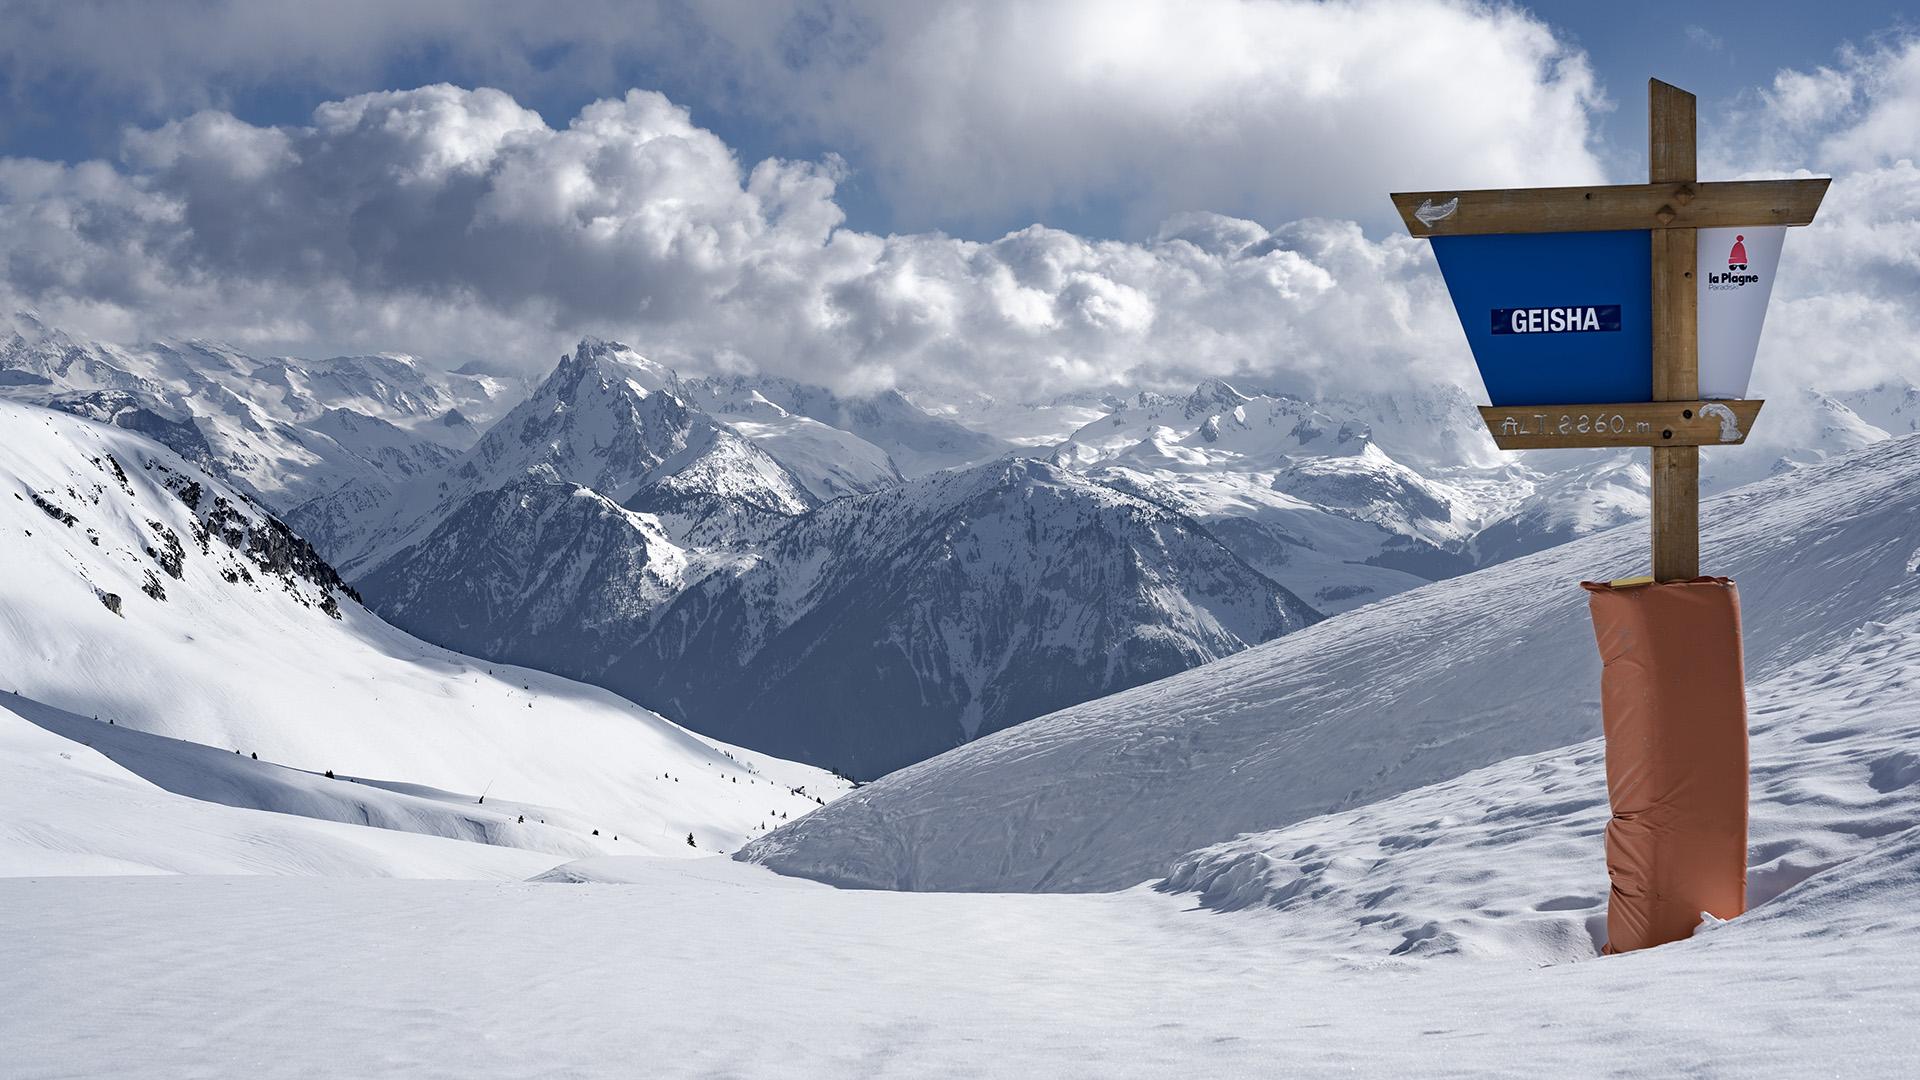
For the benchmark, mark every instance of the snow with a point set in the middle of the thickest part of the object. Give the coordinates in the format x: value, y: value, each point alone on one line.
x: 915, y: 441
x: 230, y: 779
x: 1371, y: 846
x: 1377, y: 840
x: 701, y: 968
x: 67, y: 809
x: 829, y: 461
x: 256, y: 664
x: 1833, y: 778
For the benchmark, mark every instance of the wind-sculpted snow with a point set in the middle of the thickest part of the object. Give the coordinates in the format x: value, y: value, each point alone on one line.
x: 884, y: 628
x: 1499, y: 859
x: 143, y: 592
x: 214, y: 775
x: 1417, y: 689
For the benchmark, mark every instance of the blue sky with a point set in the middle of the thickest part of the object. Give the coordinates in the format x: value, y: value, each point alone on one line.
x: 1718, y: 49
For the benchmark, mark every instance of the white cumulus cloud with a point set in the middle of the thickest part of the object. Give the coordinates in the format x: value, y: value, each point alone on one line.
x: 457, y: 224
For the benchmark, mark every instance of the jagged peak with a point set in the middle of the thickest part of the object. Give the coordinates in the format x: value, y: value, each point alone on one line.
x: 614, y: 364
x: 1213, y: 395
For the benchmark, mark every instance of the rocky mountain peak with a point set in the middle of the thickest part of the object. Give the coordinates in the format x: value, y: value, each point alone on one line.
x: 1214, y: 395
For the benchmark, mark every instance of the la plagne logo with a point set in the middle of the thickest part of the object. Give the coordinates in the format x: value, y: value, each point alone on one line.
x: 1736, y: 274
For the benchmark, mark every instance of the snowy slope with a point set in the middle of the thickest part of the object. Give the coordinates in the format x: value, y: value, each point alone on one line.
x: 66, y: 808
x: 1417, y: 689
x: 216, y: 775
x: 141, y: 590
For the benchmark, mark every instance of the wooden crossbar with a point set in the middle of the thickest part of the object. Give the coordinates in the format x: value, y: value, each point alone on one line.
x: 1673, y: 205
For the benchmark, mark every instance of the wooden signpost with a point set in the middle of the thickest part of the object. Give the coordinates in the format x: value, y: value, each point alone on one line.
x: 1629, y: 316
x: 1673, y: 419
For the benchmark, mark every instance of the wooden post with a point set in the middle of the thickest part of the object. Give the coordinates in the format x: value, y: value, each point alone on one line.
x: 1676, y: 355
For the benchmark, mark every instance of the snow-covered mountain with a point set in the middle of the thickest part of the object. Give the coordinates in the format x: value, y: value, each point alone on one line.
x: 626, y: 526
x: 916, y: 441
x: 606, y: 420
x: 554, y: 538
x: 144, y: 596
x: 829, y: 461
x: 1415, y: 690
x: 284, y: 430
x: 611, y: 530
x: 1893, y: 405
x: 1309, y: 498
x: 883, y: 628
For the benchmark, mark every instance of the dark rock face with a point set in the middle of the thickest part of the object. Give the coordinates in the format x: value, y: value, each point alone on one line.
x: 540, y: 573
x: 261, y: 539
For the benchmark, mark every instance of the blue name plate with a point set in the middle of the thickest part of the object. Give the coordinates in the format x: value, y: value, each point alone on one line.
x: 1555, y: 318
x: 1585, y: 319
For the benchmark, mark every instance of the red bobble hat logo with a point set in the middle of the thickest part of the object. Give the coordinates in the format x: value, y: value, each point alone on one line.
x: 1737, y: 258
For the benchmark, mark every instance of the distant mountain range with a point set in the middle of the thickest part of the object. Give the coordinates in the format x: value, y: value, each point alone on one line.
x: 861, y: 582
x: 608, y: 529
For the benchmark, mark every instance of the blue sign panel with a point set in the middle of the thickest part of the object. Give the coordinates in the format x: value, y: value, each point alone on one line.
x: 1556, y: 318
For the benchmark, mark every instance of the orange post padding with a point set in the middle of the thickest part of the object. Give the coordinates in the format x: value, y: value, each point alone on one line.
x: 1674, y: 697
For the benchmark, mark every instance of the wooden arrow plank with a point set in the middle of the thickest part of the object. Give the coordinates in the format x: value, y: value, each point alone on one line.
x: 1675, y: 424
x: 1673, y: 205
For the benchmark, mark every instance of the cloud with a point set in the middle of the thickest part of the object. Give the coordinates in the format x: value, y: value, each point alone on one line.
x: 457, y: 224
x: 990, y: 110
x: 1844, y: 315
x: 977, y: 115
x: 1702, y: 38
x: 460, y: 225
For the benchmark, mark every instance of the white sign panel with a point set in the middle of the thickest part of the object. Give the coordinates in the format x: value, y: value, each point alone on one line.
x: 1734, y: 276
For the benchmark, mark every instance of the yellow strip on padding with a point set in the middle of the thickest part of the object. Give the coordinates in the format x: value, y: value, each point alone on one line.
x: 1629, y: 582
